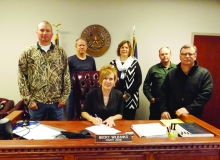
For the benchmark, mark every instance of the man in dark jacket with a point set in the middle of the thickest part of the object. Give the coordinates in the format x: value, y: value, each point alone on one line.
x: 187, y: 88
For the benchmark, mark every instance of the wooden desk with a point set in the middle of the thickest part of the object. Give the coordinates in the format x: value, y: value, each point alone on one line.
x: 139, y: 149
x: 15, y: 116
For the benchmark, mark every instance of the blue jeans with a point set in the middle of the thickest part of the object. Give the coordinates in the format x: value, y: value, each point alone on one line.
x: 70, y: 107
x: 46, y: 112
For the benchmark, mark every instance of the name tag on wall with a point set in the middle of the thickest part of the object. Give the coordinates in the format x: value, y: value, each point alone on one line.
x: 113, y: 138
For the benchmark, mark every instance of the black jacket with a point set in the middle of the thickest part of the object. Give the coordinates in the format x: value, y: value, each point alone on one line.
x: 191, y: 91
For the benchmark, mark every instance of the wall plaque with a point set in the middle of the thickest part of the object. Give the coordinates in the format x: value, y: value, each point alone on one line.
x: 98, y: 39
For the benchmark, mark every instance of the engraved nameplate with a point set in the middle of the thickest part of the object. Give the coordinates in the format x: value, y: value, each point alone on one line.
x: 113, y: 138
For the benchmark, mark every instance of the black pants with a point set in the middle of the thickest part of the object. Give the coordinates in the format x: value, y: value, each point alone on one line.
x: 154, y: 111
x: 129, y: 114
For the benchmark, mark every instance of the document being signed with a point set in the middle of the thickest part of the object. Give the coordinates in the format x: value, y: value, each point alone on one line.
x: 102, y: 129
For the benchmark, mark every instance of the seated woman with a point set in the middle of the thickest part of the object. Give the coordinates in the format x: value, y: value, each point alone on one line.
x: 104, y: 104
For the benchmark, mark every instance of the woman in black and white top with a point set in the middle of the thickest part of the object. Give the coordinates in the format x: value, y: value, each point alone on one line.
x: 130, y: 76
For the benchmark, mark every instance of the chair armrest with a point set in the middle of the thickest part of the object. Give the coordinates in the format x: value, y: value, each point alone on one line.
x: 8, y: 106
x: 15, y: 116
x: 21, y: 106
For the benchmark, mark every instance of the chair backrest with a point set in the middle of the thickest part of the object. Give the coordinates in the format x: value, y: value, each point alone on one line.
x: 86, y: 81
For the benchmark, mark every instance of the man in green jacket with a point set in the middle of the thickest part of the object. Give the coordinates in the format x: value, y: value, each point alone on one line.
x: 154, y: 79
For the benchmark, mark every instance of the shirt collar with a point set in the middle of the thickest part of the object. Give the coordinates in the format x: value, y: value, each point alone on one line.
x: 51, y: 46
x: 170, y: 66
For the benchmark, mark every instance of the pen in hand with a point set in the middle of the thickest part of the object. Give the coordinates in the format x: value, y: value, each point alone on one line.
x: 99, y: 119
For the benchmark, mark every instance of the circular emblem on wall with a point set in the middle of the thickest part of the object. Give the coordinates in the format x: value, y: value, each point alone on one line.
x: 98, y: 39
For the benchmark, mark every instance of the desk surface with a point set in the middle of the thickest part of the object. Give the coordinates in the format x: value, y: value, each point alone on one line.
x: 123, y: 126
x: 146, y: 147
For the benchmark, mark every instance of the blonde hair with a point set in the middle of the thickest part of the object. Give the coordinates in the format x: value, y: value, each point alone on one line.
x: 105, y: 71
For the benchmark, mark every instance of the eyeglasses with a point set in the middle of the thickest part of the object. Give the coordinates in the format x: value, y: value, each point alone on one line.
x: 185, y: 54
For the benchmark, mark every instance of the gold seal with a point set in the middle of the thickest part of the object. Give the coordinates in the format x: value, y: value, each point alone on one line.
x: 98, y: 39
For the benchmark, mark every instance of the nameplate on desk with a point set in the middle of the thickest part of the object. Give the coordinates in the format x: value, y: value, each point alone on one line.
x: 113, y: 138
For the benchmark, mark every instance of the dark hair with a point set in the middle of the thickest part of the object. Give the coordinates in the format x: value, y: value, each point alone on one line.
x: 121, y: 44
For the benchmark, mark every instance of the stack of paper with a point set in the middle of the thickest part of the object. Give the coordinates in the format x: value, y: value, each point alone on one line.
x: 150, y: 130
x: 102, y: 129
x: 36, y: 131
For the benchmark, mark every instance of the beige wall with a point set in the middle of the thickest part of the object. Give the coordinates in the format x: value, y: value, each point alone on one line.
x: 158, y: 23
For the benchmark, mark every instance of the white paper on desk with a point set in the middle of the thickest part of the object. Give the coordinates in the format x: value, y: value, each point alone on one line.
x: 36, y: 132
x: 150, y: 130
x: 102, y: 129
